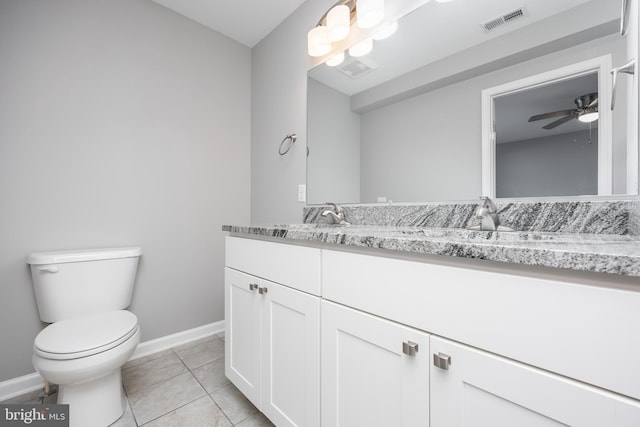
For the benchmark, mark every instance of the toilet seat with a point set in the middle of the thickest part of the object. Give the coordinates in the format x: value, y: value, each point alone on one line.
x: 85, y: 336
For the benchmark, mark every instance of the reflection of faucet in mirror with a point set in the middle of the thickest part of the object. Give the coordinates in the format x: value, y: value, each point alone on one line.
x: 488, y: 214
x: 336, y: 215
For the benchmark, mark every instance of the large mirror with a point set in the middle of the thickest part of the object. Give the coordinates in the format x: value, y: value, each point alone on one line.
x: 405, y: 122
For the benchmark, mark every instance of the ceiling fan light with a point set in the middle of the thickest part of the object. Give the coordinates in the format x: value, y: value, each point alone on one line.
x: 588, y: 117
x: 369, y: 13
x: 318, y: 43
x: 339, y: 22
x: 335, y: 60
x: 386, y: 31
x: 362, y: 48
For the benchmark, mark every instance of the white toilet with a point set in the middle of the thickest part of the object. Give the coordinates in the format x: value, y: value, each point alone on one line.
x: 83, y: 295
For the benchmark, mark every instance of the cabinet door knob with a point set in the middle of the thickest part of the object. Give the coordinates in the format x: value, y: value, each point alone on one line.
x: 253, y: 286
x: 442, y: 361
x: 410, y: 348
x: 263, y: 290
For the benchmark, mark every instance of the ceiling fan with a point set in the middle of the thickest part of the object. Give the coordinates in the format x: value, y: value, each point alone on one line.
x: 586, y: 111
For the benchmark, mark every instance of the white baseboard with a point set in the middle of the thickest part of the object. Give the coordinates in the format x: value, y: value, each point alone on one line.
x: 28, y: 383
x: 20, y: 385
x: 164, y: 343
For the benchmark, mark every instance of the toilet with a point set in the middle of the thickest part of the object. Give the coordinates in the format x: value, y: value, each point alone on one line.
x: 83, y: 295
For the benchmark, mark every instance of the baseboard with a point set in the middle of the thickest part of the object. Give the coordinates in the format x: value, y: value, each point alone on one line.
x: 28, y: 383
x: 20, y: 385
x: 164, y: 343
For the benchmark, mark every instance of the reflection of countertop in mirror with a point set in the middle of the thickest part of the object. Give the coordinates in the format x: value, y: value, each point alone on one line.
x: 613, y: 254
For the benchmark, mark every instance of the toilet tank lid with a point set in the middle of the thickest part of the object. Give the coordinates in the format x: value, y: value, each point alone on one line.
x: 57, y: 257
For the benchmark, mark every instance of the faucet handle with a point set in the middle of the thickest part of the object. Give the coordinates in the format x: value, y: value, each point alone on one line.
x: 488, y: 206
x: 336, y: 207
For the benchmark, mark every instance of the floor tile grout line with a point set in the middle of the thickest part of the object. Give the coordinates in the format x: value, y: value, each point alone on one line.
x: 221, y: 410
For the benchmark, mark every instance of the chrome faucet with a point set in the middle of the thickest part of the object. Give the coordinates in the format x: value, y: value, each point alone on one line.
x: 488, y: 214
x: 336, y: 215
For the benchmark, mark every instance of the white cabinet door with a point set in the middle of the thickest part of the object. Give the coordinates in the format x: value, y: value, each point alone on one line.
x: 290, y: 356
x: 242, y: 337
x: 367, y: 379
x: 480, y: 389
x: 272, y: 351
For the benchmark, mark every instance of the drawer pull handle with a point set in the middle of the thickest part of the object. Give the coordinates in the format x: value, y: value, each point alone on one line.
x: 410, y: 348
x: 263, y: 290
x: 442, y: 361
x: 253, y: 286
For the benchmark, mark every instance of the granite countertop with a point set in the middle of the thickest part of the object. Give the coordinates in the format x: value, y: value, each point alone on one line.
x: 615, y: 254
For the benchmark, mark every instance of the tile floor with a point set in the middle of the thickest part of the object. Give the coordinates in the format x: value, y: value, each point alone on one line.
x: 181, y: 387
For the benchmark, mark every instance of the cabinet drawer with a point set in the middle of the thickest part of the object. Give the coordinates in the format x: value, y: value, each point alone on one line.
x: 294, y: 266
x: 584, y: 332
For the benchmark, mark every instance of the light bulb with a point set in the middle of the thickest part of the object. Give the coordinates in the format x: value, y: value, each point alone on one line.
x: 335, y: 59
x: 588, y: 117
x: 362, y: 48
x: 369, y: 13
x: 318, y: 42
x: 339, y: 22
x: 386, y: 31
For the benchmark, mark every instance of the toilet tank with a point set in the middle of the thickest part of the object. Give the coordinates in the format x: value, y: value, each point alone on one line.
x: 71, y: 284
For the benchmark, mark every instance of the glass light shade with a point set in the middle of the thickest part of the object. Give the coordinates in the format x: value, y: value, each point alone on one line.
x: 588, y: 117
x: 369, y: 13
x: 335, y: 59
x: 339, y: 22
x: 318, y: 42
x: 362, y: 48
x: 386, y: 31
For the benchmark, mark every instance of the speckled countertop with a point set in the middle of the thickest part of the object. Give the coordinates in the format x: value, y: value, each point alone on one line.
x: 615, y: 254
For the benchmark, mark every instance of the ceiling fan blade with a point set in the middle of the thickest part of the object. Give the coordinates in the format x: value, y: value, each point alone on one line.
x: 558, y: 122
x: 593, y: 103
x: 551, y: 115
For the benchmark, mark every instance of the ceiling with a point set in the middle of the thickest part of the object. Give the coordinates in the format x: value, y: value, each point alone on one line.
x: 246, y: 22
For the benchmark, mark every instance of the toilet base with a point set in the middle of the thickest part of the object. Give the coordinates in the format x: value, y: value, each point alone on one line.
x: 96, y: 403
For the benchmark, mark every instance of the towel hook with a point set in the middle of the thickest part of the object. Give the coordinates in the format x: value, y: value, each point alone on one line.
x: 291, y: 137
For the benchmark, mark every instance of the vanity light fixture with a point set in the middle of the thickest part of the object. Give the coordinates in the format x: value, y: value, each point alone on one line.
x: 362, y: 48
x: 335, y: 60
x: 386, y: 31
x: 336, y: 24
x: 369, y: 13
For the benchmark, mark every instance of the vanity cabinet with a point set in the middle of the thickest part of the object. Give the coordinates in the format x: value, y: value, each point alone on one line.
x: 272, y: 351
x: 374, y: 372
x: 421, y: 341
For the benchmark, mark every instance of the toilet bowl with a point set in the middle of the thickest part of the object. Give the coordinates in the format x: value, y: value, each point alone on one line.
x: 84, y: 356
x: 83, y: 295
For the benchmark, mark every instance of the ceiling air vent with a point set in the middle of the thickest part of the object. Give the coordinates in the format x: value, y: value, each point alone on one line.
x: 357, y: 67
x: 504, y: 19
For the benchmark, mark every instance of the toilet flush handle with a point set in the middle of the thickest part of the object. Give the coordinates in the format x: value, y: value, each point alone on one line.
x: 48, y: 269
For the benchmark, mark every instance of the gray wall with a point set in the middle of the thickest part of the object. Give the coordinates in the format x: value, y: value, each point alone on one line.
x: 557, y: 165
x: 278, y: 107
x: 121, y: 123
x: 333, y: 133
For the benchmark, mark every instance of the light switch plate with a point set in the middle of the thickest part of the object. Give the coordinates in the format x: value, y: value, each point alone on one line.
x: 302, y: 193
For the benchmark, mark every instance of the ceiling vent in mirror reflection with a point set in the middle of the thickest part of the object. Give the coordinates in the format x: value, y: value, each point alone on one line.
x: 505, y: 18
x: 357, y: 67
